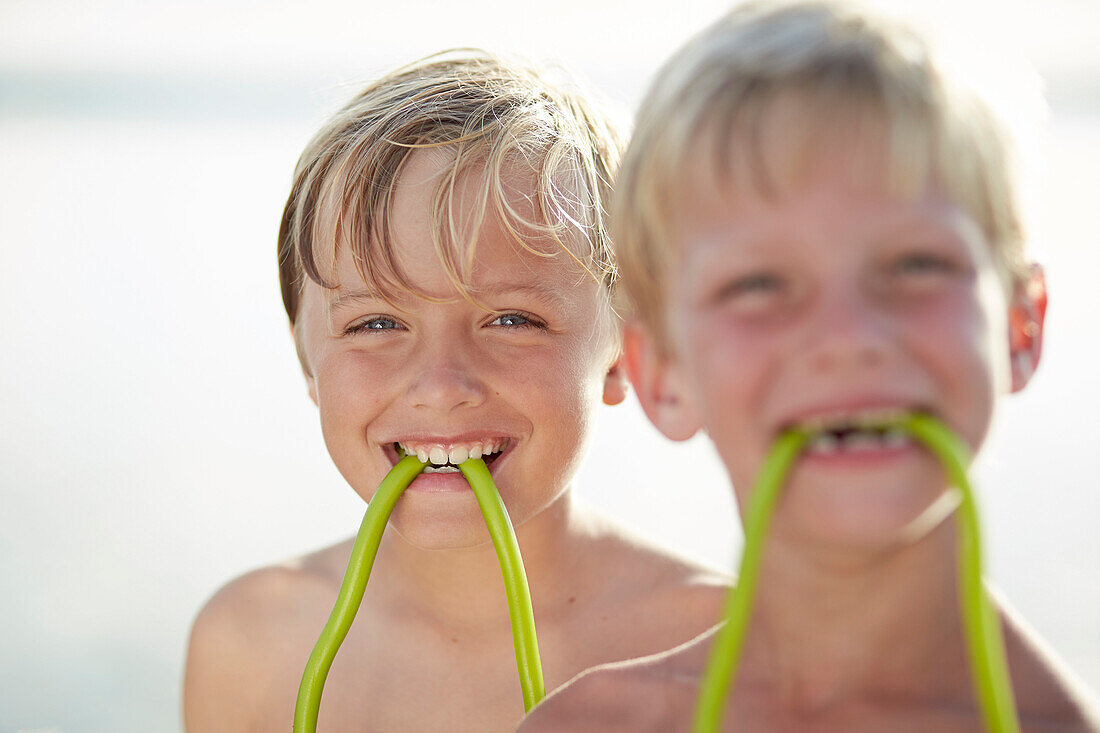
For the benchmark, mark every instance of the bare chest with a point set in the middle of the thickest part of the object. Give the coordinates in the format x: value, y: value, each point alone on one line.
x: 393, y: 685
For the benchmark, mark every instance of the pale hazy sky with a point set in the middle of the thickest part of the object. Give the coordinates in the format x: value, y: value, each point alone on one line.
x: 157, y: 438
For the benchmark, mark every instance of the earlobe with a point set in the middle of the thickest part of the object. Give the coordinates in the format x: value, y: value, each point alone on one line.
x: 614, y: 384
x: 658, y: 382
x: 1026, y: 317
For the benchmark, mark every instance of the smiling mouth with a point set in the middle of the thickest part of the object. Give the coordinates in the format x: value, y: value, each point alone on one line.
x: 856, y: 432
x: 441, y: 459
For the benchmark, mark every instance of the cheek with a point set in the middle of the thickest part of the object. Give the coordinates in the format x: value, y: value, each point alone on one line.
x: 565, y: 389
x: 727, y: 368
x: 349, y: 391
x: 963, y: 339
x: 563, y: 383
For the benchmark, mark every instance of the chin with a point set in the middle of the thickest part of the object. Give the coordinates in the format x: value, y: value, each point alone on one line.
x: 455, y: 523
x: 868, y: 517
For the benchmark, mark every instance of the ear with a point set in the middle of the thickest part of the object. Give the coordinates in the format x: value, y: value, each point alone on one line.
x: 659, y: 383
x: 1026, y: 316
x: 614, y: 384
x: 311, y: 381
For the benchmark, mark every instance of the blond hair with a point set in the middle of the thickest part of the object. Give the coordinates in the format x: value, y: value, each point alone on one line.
x: 840, y: 65
x: 491, y: 116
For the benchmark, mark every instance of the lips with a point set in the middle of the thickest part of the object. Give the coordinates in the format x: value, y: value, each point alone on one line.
x: 855, y: 432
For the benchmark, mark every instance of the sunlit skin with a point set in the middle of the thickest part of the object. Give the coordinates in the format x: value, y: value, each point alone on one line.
x: 834, y: 294
x: 530, y: 370
x: 836, y: 298
x: 431, y: 649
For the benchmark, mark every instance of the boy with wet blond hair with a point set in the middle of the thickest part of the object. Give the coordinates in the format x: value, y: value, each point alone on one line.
x: 819, y: 228
x: 448, y: 277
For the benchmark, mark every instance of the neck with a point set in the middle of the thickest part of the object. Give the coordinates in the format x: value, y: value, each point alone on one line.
x: 831, y: 628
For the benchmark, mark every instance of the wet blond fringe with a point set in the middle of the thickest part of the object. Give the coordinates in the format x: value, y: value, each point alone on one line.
x: 496, y: 121
x: 846, y: 68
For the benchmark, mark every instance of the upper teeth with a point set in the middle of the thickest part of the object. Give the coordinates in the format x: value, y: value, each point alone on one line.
x: 856, y: 440
x: 440, y: 455
x: 856, y: 431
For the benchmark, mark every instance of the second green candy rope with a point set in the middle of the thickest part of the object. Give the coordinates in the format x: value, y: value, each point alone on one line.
x: 985, y: 645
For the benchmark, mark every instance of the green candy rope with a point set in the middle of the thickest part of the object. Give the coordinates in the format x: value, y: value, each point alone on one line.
x: 363, y: 553
x: 985, y: 645
x: 515, y: 581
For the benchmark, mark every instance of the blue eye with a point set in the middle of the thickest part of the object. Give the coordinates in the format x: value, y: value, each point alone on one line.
x: 511, y: 319
x: 378, y: 323
x: 516, y: 321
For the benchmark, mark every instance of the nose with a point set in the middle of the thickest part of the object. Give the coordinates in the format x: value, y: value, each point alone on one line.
x: 445, y: 379
x: 848, y: 332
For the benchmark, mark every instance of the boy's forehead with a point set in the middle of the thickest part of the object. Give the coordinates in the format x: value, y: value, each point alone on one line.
x: 435, y: 200
x: 789, y: 141
x: 500, y: 266
x: 792, y: 144
x: 794, y: 147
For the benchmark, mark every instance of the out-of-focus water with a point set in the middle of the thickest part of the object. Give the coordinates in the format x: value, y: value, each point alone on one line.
x: 157, y: 438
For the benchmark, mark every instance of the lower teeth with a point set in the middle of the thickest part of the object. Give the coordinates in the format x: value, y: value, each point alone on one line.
x: 895, y: 439
x: 441, y: 469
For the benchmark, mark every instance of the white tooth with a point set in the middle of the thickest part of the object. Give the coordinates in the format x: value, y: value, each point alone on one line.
x: 422, y: 455
x: 861, y: 441
x: 475, y: 451
x: 458, y: 454
x: 825, y: 443
x: 895, y: 438
x: 437, y: 455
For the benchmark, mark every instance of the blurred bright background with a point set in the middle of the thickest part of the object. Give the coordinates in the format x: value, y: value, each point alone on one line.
x: 157, y: 439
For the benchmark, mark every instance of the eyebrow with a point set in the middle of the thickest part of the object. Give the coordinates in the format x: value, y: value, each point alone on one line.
x: 352, y: 296
x: 541, y: 293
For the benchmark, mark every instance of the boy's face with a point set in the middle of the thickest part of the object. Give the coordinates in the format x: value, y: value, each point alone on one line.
x: 449, y: 375
x: 831, y: 301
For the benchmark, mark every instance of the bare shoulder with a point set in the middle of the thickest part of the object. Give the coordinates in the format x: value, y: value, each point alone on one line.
x: 640, y: 696
x: 251, y: 640
x: 652, y: 694
x: 652, y: 590
x: 1050, y: 697
x: 645, y: 564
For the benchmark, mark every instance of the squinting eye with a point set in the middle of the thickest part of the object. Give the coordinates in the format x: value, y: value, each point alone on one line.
x: 760, y: 283
x: 922, y: 264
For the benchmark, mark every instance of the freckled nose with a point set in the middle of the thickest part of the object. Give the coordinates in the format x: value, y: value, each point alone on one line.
x: 446, y: 387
